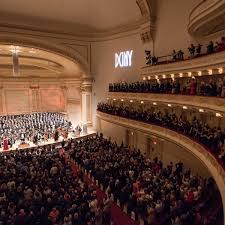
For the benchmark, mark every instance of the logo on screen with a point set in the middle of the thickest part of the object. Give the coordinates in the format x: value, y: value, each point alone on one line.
x: 123, y: 59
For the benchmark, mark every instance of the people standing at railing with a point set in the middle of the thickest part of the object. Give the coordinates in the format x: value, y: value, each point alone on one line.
x: 188, y: 86
x: 213, y: 138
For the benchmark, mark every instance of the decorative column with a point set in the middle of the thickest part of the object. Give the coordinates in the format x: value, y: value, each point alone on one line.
x: 34, y: 98
x: 86, y: 106
x: 64, y: 89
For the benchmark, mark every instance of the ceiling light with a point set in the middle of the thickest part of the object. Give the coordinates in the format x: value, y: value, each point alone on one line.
x: 180, y: 74
x: 200, y: 73
x: 218, y: 115
x: 14, y: 49
x: 131, y: 101
x: 122, y: 100
x: 164, y: 76
x: 201, y: 110
x: 144, y: 78
x: 154, y: 103
x: 210, y: 72
x: 142, y: 102
x: 149, y: 78
x: 220, y: 70
x: 184, y: 107
x: 32, y: 51
x: 169, y: 105
x: 114, y: 99
x: 189, y: 74
x: 156, y: 77
x: 172, y: 75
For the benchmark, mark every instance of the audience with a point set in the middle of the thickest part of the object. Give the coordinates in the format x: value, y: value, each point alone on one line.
x: 192, y: 86
x: 194, y: 51
x: 159, y: 194
x: 37, y: 187
x: 212, y: 138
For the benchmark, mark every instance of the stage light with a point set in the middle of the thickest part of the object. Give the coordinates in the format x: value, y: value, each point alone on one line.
x: 169, y: 105
x: 154, y: 103
x: 200, y: 73
x: 149, y: 78
x: 172, y: 75
x: 131, y: 101
x: 201, y: 110
x: 189, y: 74
x: 164, y: 76
x: 180, y: 74
x: 114, y: 99
x: 122, y: 100
x: 184, y: 107
x: 142, y: 102
x: 144, y: 78
x: 156, y: 77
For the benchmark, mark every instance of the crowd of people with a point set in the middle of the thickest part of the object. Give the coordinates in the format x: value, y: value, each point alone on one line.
x: 32, y: 127
x: 191, y: 86
x: 194, y: 51
x: 161, y: 195
x: 37, y: 187
x: 212, y: 137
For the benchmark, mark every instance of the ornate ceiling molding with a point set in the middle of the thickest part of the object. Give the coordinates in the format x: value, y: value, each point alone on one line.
x: 207, y: 18
x: 194, y: 148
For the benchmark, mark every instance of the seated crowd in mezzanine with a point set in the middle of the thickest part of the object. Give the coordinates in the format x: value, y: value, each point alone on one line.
x: 37, y: 187
x: 187, y: 86
x: 160, y: 194
x: 212, y: 138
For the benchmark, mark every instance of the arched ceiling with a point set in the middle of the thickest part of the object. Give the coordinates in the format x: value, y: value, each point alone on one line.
x: 92, y: 15
x: 37, y: 62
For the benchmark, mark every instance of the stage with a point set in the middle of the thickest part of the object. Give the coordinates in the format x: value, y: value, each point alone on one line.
x: 27, y: 145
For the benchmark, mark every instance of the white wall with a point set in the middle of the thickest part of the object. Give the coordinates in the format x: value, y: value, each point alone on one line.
x: 172, y: 22
x: 103, y: 65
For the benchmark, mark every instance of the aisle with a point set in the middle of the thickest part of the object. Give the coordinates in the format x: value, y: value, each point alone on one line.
x: 118, y: 216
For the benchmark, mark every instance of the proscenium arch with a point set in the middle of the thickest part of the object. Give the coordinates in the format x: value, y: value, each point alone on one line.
x: 48, y: 46
x: 207, y: 159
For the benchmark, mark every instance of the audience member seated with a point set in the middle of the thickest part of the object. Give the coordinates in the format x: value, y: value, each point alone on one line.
x: 212, y: 138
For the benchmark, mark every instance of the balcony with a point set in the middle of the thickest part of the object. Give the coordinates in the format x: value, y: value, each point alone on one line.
x: 212, y: 104
x: 198, y: 66
x: 207, y: 18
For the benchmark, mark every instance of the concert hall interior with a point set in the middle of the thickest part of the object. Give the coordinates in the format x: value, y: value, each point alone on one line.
x: 112, y: 112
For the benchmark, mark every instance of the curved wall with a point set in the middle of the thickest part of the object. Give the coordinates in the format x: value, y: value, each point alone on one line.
x: 200, y: 153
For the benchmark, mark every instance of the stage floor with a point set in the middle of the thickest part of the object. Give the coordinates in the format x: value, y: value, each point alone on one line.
x: 18, y: 146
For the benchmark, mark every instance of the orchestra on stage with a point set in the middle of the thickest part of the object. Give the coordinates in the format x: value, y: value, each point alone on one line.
x: 35, y: 128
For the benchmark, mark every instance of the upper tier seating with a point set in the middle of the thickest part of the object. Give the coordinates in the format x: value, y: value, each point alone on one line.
x: 194, y: 51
